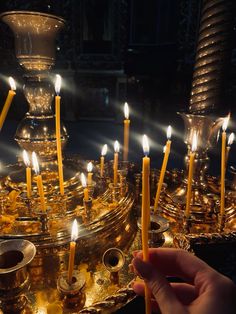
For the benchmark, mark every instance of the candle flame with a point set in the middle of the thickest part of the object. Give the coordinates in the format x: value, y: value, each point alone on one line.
x: 35, y: 163
x: 12, y: 83
x: 164, y: 149
x: 231, y: 139
x: 145, y: 145
x: 58, y: 84
x: 83, y: 180
x: 26, y: 158
x: 116, y: 147
x: 218, y: 136
x: 225, y: 123
x: 126, y: 111
x: 168, y: 133
x: 194, y: 143
x: 74, y: 231
x: 104, y: 150
x: 89, y: 167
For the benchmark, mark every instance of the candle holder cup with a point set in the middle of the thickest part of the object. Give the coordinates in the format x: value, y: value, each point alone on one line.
x: 28, y: 202
x: 91, y: 188
x: 123, y: 181
x: 187, y: 223
x: 221, y: 223
x: 113, y: 259
x: 88, y: 209
x: 158, y: 225
x: 115, y: 192
x: 15, y: 255
x: 43, y: 219
x: 72, y: 294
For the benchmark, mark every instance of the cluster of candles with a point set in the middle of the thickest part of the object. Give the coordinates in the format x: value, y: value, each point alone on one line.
x: 146, y: 187
x: 145, y: 171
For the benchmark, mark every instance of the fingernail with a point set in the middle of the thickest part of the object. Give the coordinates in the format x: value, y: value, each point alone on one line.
x: 144, y: 269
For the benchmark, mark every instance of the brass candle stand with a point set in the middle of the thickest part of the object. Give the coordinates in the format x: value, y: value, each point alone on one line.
x: 108, y: 220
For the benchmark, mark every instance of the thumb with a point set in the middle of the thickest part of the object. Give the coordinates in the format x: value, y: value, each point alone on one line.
x: 159, y: 286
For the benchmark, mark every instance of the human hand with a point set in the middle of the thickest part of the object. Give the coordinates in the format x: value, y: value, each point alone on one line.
x: 205, y: 291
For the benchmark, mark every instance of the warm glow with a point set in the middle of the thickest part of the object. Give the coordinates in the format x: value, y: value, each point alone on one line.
x: 231, y: 139
x: 145, y: 145
x: 104, y: 150
x: 83, y: 180
x: 164, y: 149
x: 90, y: 167
x: 116, y: 147
x: 226, y: 122
x: 12, y: 83
x: 194, y: 143
x: 168, y: 133
x: 35, y: 163
x: 74, y: 231
x: 58, y: 84
x: 26, y: 158
x: 126, y: 111
x: 218, y: 136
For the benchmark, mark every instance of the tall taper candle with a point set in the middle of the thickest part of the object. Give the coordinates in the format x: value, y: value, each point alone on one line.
x: 74, y: 236
x: 230, y: 142
x: 84, y: 185
x: 28, y: 173
x: 8, y: 101
x: 190, y: 175
x: 146, y: 214
x: 126, y: 132
x: 39, y: 181
x: 163, y: 167
x: 58, y: 132
x: 90, y: 174
x: 223, y: 156
x: 116, y: 162
x: 102, y: 159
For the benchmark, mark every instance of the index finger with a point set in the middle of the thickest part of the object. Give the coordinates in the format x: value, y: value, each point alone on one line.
x: 176, y: 262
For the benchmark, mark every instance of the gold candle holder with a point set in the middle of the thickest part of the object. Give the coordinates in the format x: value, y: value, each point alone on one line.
x: 115, y: 192
x: 72, y: 294
x: 43, y: 218
x: 158, y: 225
x: 113, y: 259
x: 87, y: 209
x: 221, y: 223
x: 14, y: 278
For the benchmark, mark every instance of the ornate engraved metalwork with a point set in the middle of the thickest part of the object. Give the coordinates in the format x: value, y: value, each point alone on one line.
x: 213, y: 53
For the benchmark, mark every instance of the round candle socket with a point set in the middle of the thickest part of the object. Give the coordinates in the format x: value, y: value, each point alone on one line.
x: 78, y: 282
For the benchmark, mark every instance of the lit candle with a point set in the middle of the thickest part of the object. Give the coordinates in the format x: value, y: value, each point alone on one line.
x: 230, y: 142
x: 74, y: 236
x: 84, y: 185
x: 223, y: 157
x: 190, y: 175
x: 8, y: 101
x: 146, y: 213
x: 102, y: 159
x: 58, y: 133
x: 126, y: 132
x: 90, y: 174
x: 116, y: 158
x: 39, y: 181
x: 166, y: 151
x: 28, y: 173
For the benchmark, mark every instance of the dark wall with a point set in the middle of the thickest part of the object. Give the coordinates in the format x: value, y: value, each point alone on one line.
x: 153, y: 42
